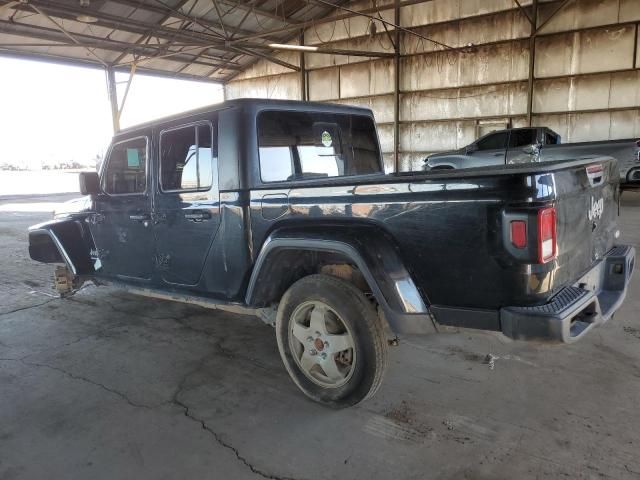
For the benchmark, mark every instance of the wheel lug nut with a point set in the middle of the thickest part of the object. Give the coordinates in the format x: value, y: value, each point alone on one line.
x: 309, y: 339
x: 313, y: 352
x: 324, y: 356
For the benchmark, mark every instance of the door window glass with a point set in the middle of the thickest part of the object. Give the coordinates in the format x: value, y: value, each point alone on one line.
x: 522, y: 138
x: 303, y: 145
x: 126, y: 170
x: 493, y: 141
x: 206, y: 157
x: 187, y: 158
x: 276, y: 163
x: 321, y: 161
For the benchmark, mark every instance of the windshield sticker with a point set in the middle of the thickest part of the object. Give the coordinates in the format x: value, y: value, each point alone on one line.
x: 326, y: 139
x: 133, y: 160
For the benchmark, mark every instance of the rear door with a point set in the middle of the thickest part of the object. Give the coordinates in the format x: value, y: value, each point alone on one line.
x: 186, y: 210
x: 121, y: 226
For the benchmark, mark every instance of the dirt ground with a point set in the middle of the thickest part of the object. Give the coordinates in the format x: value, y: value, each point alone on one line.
x: 109, y: 385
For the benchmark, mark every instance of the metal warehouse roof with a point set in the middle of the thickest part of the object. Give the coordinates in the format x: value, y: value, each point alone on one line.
x: 210, y: 40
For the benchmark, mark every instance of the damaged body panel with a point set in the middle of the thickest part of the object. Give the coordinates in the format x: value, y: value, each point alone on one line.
x: 65, y: 240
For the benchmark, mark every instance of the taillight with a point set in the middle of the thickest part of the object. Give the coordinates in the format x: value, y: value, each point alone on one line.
x: 519, y: 233
x: 547, y: 249
x: 595, y: 169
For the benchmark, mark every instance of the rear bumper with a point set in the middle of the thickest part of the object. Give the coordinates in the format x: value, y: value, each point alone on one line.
x: 575, y: 310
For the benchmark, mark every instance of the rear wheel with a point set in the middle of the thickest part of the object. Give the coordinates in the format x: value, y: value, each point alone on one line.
x: 331, y: 340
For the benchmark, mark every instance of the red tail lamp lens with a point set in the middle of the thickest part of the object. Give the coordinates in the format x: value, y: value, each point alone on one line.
x: 519, y: 233
x: 547, y: 249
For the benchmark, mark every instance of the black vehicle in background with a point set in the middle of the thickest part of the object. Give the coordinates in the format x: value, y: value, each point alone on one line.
x: 281, y: 209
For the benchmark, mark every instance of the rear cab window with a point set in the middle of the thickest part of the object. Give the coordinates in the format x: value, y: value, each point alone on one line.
x: 307, y: 145
x: 551, y: 139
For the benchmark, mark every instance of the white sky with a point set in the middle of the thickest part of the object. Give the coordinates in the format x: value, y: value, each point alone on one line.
x: 52, y: 113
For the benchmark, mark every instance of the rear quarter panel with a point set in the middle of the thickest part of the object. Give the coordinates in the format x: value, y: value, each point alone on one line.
x: 448, y: 227
x: 447, y: 231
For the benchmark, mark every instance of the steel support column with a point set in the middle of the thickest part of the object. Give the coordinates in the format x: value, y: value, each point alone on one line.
x: 396, y: 92
x: 532, y: 61
x: 113, y: 99
x: 303, y: 72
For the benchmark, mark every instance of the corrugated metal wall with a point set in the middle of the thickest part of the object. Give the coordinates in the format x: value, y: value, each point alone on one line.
x: 586, y: 71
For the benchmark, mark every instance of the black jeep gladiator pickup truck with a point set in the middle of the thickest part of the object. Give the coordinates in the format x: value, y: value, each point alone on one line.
x: 282, y: 209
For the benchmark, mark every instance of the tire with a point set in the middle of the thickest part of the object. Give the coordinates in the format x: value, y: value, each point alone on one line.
x: 344, y: 362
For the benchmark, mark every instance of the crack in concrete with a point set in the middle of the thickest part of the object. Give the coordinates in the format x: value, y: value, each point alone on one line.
x: 96, y: 334
x: 28, y: 307
x: 203, y: 424
x: 73, y: 376
x: 181, y: 320
x: 175, y: 400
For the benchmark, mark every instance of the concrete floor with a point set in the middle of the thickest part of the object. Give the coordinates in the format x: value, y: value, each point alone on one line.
x: 108, y: 385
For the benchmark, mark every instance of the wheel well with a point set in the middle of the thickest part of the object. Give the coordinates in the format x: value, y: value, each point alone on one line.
x: 287, y: 266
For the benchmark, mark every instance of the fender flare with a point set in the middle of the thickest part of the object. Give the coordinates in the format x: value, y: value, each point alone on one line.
x: 61, y: 241
x: 372, y: 253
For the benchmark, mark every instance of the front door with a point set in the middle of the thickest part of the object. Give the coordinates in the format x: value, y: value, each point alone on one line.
x: 186, y: 206
x: 121, y: 225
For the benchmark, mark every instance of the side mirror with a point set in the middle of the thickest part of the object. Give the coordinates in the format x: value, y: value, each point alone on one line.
x: 89, y: 183
x: 471, y: 148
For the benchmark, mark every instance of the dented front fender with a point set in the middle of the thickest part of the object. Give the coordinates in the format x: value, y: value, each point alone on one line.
x: 65, y: 240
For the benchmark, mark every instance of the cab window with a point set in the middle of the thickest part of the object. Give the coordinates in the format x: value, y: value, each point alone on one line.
x: 493, y: 141
x: 276, y: 163
x: 126, y: 169
x: 306, y: 145
x: 522, y: 138
x: 188, y: 158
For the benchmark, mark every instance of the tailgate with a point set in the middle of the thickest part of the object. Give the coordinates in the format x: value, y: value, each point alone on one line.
x: 587, y: 210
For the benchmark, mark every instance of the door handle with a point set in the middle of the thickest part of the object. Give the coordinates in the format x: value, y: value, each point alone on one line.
x: 140, y: 217
x: 197, y: 215
x: 498, y: 154
x: 95, y: 218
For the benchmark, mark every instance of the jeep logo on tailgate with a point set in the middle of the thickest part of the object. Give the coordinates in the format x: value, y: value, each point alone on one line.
x: 597, y: 207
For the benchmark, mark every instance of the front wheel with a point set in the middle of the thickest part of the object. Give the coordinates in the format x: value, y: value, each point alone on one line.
x: 331, y: 340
